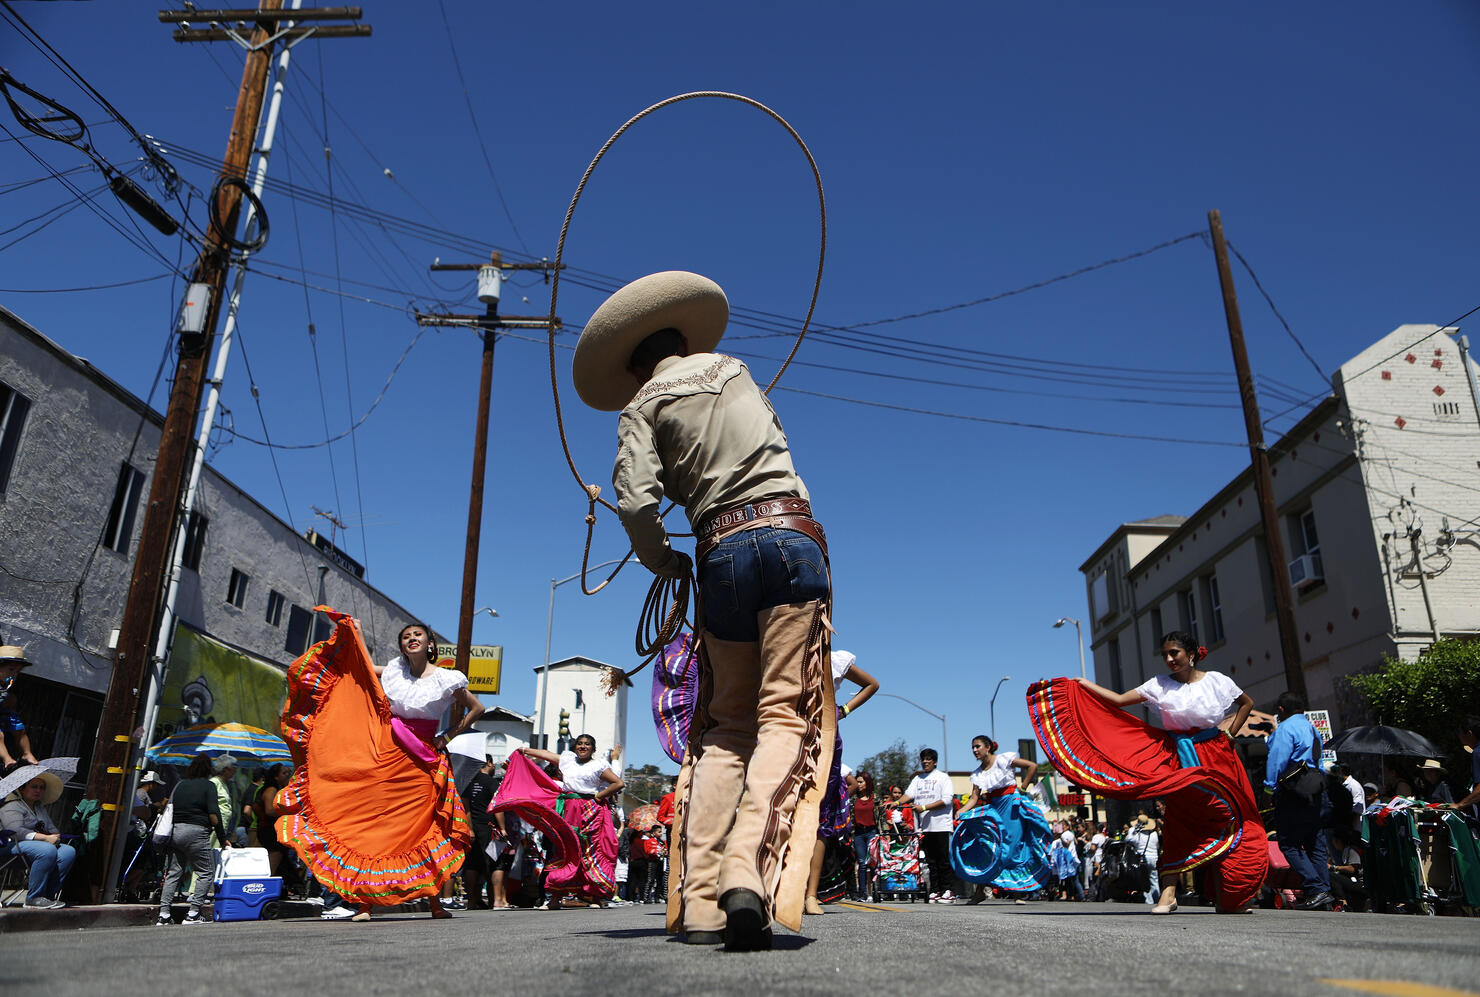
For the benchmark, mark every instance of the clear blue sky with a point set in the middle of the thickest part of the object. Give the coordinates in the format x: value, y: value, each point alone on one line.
x: 966, y: 150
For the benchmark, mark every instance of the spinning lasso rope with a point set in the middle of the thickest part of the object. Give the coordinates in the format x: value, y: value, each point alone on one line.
x: 653, y: 636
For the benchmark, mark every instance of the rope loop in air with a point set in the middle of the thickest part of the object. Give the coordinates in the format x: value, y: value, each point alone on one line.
x: 657, y: 628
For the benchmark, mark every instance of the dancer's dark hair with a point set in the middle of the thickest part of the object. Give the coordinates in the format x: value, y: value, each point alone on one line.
x: 1186, y: 642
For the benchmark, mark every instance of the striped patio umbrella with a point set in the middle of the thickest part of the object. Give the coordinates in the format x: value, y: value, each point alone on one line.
x: 238, y: 740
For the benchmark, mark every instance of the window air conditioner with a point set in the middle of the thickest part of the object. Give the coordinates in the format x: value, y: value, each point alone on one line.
x: 1306, y: 571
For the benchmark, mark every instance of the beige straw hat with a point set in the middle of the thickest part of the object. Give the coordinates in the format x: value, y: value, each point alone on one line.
x: 675, y: 299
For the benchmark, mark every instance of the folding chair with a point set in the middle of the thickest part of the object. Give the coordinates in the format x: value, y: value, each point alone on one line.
x: 15, y: 872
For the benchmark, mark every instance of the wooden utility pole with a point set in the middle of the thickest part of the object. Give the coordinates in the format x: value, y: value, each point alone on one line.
x: 117, y: 730
x: 1274, y: 543
x: 490, y: 283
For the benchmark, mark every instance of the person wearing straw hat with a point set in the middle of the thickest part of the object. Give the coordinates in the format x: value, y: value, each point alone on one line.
x: 12, y: 660
x: 37, y: 839
x: 695, y: 429
x: 1435, y: 789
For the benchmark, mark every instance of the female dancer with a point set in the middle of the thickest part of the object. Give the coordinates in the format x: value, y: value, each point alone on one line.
x: 372, y: 809
x: 1001, y: 838
x: 588, y: 783
x: 832, y: 823
x: 1211, y: 814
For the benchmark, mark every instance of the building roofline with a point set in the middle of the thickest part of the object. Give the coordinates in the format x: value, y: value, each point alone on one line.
x: 1125, y: 529
x: 121, y: 394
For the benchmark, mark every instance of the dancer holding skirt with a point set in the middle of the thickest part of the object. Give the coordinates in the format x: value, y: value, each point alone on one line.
x: 1211, y: 815
x: 372, y: 809
x: 1001, y: 838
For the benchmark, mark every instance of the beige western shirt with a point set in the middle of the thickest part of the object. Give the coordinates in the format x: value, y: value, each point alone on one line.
x: 702, y: 434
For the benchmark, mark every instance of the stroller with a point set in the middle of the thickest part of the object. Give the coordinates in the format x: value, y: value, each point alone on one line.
x: 895, y: 857
x: 1124, y: 873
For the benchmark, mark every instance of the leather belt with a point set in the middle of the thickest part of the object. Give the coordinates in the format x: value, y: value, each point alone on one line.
x: 789, y: 513
x: 786, y: 506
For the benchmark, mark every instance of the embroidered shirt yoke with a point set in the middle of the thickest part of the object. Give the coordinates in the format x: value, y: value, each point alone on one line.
x: 701, y: 433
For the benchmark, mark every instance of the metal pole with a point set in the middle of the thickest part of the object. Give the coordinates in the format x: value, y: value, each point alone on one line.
x: 1284, y: 603
x: 944, y: 748
x: 1464, y: 357
x: 992, y: 706
x: 1423, y: 584
x: 555, y: 583
x: 1079, y: 639
x: 154, y: 675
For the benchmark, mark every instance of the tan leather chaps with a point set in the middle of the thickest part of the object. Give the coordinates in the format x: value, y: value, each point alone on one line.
x: 756, y: 767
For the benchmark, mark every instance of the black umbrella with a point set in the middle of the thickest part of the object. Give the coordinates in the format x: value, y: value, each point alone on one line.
x: 1379, y: 740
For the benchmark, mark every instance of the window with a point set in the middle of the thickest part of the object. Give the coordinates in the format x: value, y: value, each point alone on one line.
x: 1113, y: 647
x: 1156, y: 628
x: 195, y: 540
x: 322, y: 628
x: 120, y: 527
x: 1214, y: 602
x: 1310, y: 543
x: 275, y: 603
x: 236, y: 589
x: 1187, y: 600
x: 13, y: 409
x: 299, y: 620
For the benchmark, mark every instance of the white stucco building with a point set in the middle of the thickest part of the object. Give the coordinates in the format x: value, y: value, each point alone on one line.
x: 1378, y: 493
x: 576, y: 685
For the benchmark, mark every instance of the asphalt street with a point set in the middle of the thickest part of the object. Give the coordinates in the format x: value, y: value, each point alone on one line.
x: 998, y: 947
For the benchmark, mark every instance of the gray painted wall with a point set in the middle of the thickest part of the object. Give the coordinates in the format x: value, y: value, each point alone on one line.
x: 80, y: 429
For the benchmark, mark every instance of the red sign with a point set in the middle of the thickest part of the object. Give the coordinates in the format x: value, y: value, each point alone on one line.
x: 1071, y: 799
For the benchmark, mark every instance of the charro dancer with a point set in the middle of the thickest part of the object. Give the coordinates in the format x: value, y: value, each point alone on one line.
x: 694, y: 428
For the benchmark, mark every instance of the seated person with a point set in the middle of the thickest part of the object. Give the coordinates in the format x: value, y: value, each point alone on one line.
x: 12, y: 660
x: 1346, y: 870
x: 36, y: 838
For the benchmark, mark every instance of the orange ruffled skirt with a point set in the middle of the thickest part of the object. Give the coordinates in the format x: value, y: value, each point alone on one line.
x: 371, y: 822
x: 1211, y: 814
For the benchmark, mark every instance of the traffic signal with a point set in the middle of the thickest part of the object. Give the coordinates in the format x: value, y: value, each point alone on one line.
x: 565, y: 723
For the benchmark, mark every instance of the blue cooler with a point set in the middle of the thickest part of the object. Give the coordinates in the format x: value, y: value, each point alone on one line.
x: 248, y: 899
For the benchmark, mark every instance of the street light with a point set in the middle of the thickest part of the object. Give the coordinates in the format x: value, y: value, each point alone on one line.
x: 487, y: 609
x: 555, y: 583
x: 992, y: 706
x: 1078, y: 640
x: 944, y: 741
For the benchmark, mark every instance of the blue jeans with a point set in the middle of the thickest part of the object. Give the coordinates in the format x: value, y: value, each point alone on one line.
x: 755, y: 570
x: 862, y: 838
x: 1303, y: 843
x: 49, y: 867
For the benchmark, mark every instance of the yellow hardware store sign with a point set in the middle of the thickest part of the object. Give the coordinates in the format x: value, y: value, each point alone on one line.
x: 485, y: 665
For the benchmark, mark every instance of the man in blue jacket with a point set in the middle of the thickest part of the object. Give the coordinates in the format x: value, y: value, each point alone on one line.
x: 1294, y: 750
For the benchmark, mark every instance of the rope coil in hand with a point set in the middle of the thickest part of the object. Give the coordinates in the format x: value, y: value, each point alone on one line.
x: 653, y: 636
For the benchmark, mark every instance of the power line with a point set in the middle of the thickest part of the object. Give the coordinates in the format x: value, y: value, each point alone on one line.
x: 483, y: 146
x: 1270, y: 301
x: 1010, y: 422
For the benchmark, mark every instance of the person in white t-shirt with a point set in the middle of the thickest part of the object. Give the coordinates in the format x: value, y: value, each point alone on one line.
x: 834, y: 816
x: 931, y: 794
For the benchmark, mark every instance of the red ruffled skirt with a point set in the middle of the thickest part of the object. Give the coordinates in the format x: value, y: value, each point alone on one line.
x: 371, y: 821
x: 1211, y: 814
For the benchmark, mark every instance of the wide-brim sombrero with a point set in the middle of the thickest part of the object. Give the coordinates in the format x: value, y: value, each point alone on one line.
x: 674, y: 299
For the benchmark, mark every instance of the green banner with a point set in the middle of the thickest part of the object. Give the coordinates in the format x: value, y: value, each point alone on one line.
x: 208, y: 681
